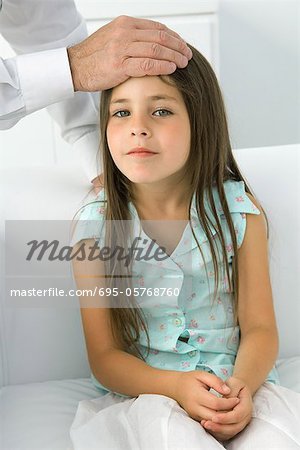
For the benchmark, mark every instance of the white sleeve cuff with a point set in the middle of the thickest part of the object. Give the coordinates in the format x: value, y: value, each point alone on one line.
x: 45, y: 78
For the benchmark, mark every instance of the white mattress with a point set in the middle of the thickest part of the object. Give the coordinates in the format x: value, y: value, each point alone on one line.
x: 37, y: 416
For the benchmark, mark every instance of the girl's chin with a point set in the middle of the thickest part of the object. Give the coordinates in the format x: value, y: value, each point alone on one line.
x: 142, y: 178
x: 148, y: 178
x: 141, y: 181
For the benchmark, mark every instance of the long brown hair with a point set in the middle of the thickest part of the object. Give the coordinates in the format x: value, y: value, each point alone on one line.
x: 209, y: 165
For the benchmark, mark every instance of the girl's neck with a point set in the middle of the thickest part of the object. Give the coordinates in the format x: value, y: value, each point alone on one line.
x: 162, y: 203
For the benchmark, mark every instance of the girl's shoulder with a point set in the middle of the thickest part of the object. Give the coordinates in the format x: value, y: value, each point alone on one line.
x: 240, y: 204
x: 238, y: 200
x: 94, y: 208
x: 89, y: 220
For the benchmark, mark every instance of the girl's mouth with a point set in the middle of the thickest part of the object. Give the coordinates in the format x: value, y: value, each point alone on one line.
x: 141, y: 152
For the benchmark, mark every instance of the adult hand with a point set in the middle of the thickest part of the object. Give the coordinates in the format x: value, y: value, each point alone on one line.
x: 223, y: 426
x: 98, y: 183
x: 192, y: 394
x: 126, y: 47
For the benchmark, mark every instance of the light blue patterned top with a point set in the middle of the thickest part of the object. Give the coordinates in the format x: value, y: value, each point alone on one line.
x: 185, y: 310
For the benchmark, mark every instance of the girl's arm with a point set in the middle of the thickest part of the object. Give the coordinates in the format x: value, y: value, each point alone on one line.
x: 126, y: 374
x: 259, y: 336
x: 116, y: 369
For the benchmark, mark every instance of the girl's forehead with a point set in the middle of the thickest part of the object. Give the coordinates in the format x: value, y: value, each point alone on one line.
x: 146, y: 86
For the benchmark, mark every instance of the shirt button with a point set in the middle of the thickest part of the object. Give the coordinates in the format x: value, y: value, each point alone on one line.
x: 177, y: 322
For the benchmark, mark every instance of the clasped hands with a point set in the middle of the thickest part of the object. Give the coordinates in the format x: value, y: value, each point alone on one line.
x: 223, y: 417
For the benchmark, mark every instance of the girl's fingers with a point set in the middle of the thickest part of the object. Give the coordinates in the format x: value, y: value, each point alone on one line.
x: 237, y: 415
x: 225, y: 419
x: 231, y: 417
x: 218, y: 403
x: 213, y: 382
x: 221, y: 432
x: 224, y: 430
x: 204, y: 413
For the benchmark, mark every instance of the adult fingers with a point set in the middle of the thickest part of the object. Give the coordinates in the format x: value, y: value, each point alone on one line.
x: 146, y: 24
x: 138, y: 67
x: 156, y: 52
x: 98, y: 181
x: 164, y: 39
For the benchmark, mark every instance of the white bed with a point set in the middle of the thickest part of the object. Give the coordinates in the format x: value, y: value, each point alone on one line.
x: 44, y: 371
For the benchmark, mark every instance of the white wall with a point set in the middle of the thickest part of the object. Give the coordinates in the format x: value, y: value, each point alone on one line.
x: 260, y: 70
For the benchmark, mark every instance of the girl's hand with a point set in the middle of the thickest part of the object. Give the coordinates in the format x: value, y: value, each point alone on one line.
x: 224, y: 426
x: 192, y: 393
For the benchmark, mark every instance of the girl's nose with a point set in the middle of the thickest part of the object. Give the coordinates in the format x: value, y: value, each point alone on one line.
x: 140, y: 130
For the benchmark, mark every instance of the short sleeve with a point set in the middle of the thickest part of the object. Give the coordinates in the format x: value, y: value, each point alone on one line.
x: 89, y: 222
x: 239, y: 205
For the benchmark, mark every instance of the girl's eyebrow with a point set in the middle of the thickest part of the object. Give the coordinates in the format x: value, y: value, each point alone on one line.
x: 152, y: 97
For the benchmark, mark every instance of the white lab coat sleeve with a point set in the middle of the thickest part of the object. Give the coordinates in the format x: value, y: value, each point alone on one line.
x: 25, y: 88
x: 39, y: 76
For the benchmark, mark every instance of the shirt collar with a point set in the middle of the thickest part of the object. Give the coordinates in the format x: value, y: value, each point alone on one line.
x: 195, y: 223
x: 238, y: 202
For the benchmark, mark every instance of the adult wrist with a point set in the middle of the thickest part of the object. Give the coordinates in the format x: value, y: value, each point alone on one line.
x: 74, y: 62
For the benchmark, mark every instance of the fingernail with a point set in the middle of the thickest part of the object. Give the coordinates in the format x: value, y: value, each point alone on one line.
x: 188, y: 52
x: 225, y: 388
x: 184, y: 61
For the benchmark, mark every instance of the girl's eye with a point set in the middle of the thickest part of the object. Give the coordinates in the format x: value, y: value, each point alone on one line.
x: 157, y: 113
x: 164, y: 112
x: 120, y: 113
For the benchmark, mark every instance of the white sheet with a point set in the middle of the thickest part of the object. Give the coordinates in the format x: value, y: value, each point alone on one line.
x: 289, y: 372
x: 38, y: 416
x: 152, y: 421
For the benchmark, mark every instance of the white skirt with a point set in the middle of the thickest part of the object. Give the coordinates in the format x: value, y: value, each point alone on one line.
x: 157, y: 422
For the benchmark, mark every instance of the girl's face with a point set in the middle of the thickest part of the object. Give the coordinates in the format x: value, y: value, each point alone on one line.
x: 146, y: 113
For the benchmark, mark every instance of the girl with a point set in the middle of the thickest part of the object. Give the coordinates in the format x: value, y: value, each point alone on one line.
x: 181, y: 341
